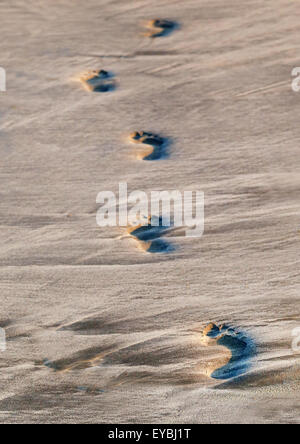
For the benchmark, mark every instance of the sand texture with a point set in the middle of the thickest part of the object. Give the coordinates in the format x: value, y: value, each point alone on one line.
x: 144, y: 325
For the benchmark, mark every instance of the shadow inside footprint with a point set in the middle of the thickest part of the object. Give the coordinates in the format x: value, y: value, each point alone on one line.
x: 149, y: 235
x: 159, y: 246
x: 159, y: 146
x: 150, y: 231
x: 98, y: 81
x: 161, y: 28
x: 241, y: 346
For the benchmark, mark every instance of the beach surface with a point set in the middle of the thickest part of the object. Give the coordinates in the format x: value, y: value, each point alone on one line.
x: 98, y: 329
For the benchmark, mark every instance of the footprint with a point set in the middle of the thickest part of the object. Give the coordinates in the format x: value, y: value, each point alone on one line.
x: 148, y: 235
x: 97, y: 81
x: 160, y: 28
x: 238, y: 343
x: 155, y: 146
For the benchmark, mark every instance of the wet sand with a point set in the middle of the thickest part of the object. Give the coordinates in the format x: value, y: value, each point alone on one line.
x: 99, y: 330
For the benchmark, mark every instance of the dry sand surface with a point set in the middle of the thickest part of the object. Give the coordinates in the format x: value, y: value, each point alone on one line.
x: 98, y: 329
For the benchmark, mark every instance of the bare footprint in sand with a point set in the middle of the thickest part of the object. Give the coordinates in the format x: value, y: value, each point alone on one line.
x: 155, y: 147
x: 148, y: 236
x: 160, y: 28
x: 97, y: 81
x: 240, y: 345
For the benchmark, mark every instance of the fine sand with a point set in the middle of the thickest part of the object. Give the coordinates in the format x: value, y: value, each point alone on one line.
x: 145, y: 325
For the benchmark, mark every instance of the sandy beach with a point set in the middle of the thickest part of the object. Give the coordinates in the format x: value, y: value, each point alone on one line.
x: 98, y: 329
